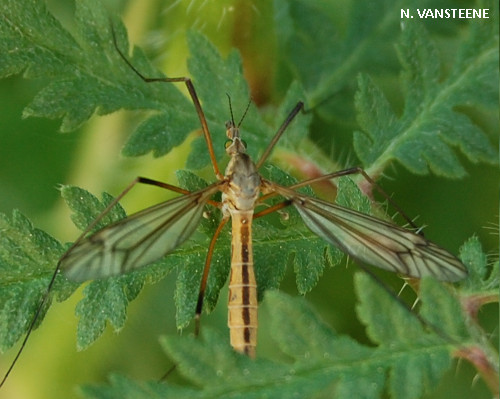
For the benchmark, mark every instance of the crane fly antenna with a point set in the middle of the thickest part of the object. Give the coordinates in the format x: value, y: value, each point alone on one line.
x: 298, y: 107
x: 245, y: 113
x: 231, y: 109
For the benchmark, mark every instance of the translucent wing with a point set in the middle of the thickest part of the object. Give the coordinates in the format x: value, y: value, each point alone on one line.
x: 137, y: 240
x: 374, y: 241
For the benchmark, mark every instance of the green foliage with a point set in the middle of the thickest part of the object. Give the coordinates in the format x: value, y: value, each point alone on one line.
x: 421, y: 138
x: 481, y: 277
x: 324, y: 58
x: 86, y: 63
x: 407, y: 359
x: 27, y: 259
x: 430, y: 127
x: 87, y: 76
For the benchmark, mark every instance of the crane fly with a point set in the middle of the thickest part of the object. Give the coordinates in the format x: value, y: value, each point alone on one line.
x: 148, y: 235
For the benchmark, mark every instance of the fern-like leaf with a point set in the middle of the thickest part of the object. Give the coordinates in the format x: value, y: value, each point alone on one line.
x: 323, y: 363
x: 422, y: 139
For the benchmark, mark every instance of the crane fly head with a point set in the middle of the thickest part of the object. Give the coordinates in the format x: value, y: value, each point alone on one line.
x: 234, y: 144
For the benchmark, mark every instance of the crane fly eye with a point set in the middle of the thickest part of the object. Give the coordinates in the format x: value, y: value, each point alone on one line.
x: 228, y: 143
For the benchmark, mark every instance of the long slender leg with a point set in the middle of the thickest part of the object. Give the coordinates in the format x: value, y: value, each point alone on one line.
x: 46, y: 295
x: 203, y: 285
x: 194, y: 98
x: 31, y: 326
x: 347, y: 172
x: 204, y: 279
x: 272, y: 209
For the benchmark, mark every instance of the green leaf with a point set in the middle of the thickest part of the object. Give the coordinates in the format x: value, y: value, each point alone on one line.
x: 319, y: 363
x: 86, y: 208
x: 423, y: 137
x: 350, y: 196
x: 391, y: 323
x: 88, y: 75
x: 325, y: 58
x: 449, y: 319
x: 27, y: 259
x: 480, y: 275
x: 425, y: 356
x: 105, y: 300
x: 28, y: 34
x: 160, y: 133
x: 327, y: 47
x: 322, y: 363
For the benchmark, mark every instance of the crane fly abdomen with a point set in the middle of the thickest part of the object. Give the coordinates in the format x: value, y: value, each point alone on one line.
x: 242, y: 306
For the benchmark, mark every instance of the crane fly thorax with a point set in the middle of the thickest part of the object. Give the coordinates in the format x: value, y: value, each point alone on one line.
x: 243, y: 180
x: 243, y: 184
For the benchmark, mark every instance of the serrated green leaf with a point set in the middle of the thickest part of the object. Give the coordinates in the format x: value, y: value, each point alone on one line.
x: 471, y: 253
x: 301, y: 334
x: 387, y: 323
x: 426, y: 137
x: 88, y: 74
x: 28, y: 34
x: 325, y: 59
x: 160, y: 133
x: 27, y: 263
x: 105, y: 300
x: 427, y: 355
x: 324, y: 364
x: 86, y: 208
x: 124, y: 388
x: 350, y: 196
x: 450, y: 319
x: 423, y: 138
x: 223, y: 374
x: 188, y: 283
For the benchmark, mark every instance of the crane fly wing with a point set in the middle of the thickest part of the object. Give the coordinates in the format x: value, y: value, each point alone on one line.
x: 374, y: 241
x: 137, y: 240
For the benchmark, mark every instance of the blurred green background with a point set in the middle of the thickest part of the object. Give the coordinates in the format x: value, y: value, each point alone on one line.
x: 35, y: 158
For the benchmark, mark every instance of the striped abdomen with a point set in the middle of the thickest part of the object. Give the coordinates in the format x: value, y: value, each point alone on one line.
x: 242, y: 317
